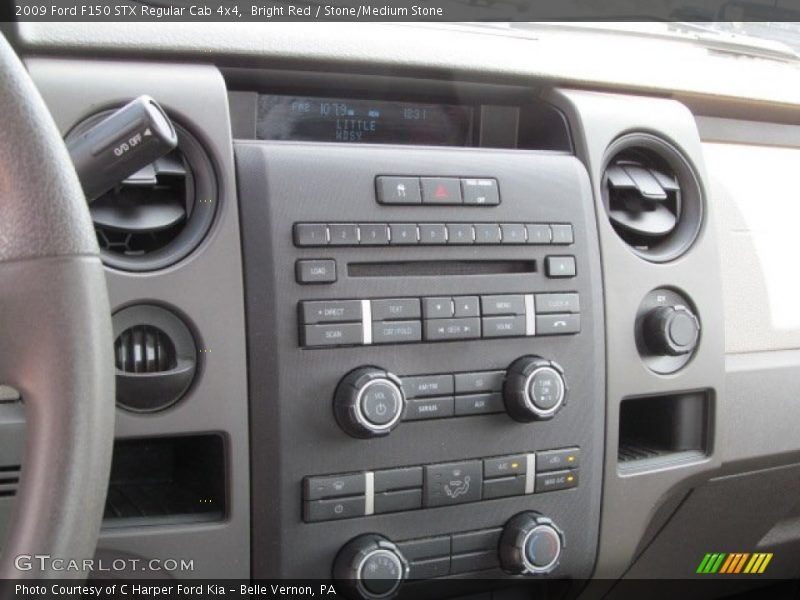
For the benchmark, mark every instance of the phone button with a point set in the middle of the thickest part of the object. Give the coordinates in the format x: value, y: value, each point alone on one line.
x: 558, y: 324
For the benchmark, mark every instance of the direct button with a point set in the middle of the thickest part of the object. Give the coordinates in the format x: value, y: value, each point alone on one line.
x: 315, y: 271
x: 331, y: 311
x: 440, y: 190
x: 380, y: 402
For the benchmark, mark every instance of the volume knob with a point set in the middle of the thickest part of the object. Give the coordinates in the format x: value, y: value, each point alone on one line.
x: 534, y: 389
x: 369, y: 402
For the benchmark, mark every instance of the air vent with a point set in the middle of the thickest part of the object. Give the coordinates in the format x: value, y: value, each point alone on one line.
x: 9, y: 481
x: 147, y: 211
x: 144, y: 349
x: 652, y: 197
x: 159, y: 215
x: 155, y: 356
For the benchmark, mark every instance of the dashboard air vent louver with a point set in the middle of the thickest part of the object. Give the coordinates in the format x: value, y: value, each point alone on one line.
x: 144, y: 349
x: 160, y: 214
x: 155, y: 356
x: 9, y: 480
x: 652, y: 197
x: 147, y: 210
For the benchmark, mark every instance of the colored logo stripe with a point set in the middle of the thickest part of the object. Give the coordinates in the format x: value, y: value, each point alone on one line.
x: 734, y: 563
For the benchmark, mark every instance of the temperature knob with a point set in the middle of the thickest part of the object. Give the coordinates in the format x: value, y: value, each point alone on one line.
x: 530, y: 545
x: 369, y: 567
x: 534, y: 389
x: 369, y: 402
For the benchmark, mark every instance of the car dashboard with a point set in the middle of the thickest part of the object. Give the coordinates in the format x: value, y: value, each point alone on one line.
x: 426, y: 295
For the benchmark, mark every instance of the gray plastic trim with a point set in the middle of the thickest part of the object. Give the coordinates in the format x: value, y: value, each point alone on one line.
x: 206, y: 288
x: 631, y: 501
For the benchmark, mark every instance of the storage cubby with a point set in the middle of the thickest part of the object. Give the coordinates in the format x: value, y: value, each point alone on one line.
x: 667, y: 427
x: 167, y: 480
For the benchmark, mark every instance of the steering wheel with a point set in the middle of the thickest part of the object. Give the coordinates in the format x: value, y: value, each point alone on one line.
x: 56, y: 343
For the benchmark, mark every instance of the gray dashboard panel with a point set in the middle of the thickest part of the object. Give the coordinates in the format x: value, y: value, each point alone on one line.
x: 631, y: 501
x: 292, y: 388
x: 206, y: 288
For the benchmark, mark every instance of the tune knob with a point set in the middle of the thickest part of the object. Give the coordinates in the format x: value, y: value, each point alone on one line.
x: 369, y: 567
x: 671, y: 330
x: 369, y: 402
x: 530, y: 544
x: 534, y: 389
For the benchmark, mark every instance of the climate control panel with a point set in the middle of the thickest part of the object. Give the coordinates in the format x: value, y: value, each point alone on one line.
x: 349, y: 495
x: 371, y: 567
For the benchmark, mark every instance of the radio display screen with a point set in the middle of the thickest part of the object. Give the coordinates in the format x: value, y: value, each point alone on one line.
x: 360, y: 121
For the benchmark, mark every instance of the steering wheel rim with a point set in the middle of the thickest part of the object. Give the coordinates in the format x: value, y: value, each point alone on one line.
x: 57, y: 342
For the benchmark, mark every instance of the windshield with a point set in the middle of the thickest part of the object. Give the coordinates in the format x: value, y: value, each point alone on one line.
x: 777, y: 40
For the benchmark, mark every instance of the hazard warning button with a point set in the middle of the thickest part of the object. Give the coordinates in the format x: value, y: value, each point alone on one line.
x: 441, y: 190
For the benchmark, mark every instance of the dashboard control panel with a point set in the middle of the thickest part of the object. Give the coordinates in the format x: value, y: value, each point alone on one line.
x: 451, y: 370
x: 349, y: 495
x: 437, y: 318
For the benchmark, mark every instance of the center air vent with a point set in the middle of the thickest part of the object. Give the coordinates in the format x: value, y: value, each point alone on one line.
x: 652, y: 197
x: 155, y: 356
x: 160, y: 214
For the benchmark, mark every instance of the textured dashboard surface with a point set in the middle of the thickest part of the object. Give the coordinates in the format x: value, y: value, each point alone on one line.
x: 634, y: 62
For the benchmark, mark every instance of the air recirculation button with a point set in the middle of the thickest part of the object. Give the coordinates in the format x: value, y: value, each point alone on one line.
x: 155, y: 358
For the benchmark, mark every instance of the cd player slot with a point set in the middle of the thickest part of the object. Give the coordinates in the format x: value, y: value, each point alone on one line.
x: 437, y: 268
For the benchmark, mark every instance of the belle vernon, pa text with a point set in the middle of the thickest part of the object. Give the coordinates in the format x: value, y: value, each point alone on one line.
x: 205, y: 590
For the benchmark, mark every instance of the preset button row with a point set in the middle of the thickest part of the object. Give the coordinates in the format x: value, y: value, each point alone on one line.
x: 431, y: 234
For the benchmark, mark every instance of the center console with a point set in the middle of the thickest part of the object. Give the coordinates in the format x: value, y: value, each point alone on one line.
x: 427, y: 362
